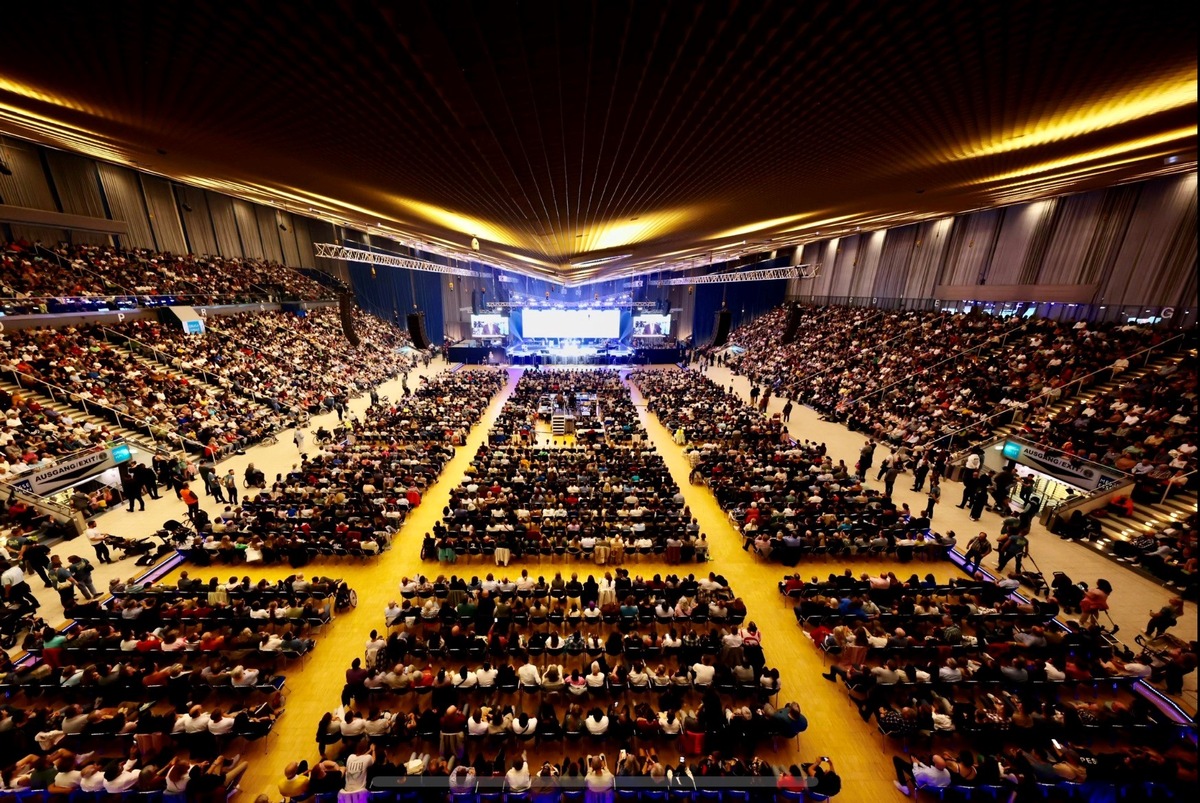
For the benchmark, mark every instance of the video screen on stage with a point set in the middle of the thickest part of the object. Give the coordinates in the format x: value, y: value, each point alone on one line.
x: 651, y: 325
x: 487, y: 326
x: 576, y: 324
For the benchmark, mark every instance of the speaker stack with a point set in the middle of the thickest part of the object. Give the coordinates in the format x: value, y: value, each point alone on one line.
x: 416, y: 330
x: 346, y: 311
x: 721, y: 327
x: 791, y: 325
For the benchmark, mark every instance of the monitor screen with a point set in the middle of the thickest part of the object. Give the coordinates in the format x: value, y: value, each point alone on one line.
x: 484, y: 327
x: 574, y: 324
x: 651, y: 325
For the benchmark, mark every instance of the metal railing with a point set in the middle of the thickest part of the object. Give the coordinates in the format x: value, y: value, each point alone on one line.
x: 169, y: 361
x: 1061, y: 393
x: 171, y: 440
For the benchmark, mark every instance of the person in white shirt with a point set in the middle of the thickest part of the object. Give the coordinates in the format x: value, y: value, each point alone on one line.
x: 120, y: 777
x: 596, y: 722
x: 524, y: 725
x: 703, y: 672
x: 91, y: 779
x: 485, y: 676
x: 357, y: 765
x: 241, y: 677
x: 195, y: 721
x: 517, y: 779
x: 219, y: 724
x: 528, y: 675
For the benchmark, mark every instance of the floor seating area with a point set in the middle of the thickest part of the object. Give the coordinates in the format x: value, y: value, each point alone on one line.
x: 604, y: 498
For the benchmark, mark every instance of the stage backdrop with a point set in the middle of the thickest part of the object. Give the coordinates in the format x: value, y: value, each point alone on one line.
x: 517, y: 325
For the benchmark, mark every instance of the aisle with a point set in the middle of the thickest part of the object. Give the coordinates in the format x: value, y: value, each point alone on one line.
x: 272, y: 460
x: 1133, y: 594
x: 834, y: 726
x: 317, y: 687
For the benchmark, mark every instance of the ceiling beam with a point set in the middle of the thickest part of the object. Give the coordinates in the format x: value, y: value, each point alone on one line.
x: 341, y: 252
x: 807, y: 271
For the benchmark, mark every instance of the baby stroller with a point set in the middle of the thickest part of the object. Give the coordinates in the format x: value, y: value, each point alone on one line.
x: 344, y: 597
x: 13, y: 622
x: 153, y: 556
x: 130, y: 546
x: 1068, y: 594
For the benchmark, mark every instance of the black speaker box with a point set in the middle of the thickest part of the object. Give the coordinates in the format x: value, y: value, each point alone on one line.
x: 721, y: 328
x: 791, y: 324
x: 416, y: 330
x: 346, y: 310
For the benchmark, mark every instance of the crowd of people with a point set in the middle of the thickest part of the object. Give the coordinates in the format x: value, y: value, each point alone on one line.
x: 34, y: 436
x: 603, y: 500
x: 495, y: 671
x: 917, y: 378
x: 352, y: 496
x: 33, y: 278
x: 105, y: 380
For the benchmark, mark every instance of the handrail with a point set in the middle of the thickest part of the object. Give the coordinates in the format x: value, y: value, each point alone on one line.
x: 1061, y: 390
x: 1167, y: 489
x: 78, y: 269
x: 952, y: 358
x: 8, y: 489
x: 256, y: 397
x: 140, y: 423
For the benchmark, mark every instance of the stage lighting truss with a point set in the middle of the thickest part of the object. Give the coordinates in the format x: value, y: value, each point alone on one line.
x: 509, y: 305
x: 808, y: 271
x: 341, y: 252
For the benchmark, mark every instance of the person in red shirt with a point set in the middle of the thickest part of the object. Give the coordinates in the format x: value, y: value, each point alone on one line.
x: 191, y: 500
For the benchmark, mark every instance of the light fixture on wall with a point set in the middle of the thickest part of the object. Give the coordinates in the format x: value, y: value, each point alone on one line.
x: 5, y: 170
x: 186, y: 206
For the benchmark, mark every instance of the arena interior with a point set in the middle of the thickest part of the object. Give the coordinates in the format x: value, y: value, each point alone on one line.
x: 548, y: 401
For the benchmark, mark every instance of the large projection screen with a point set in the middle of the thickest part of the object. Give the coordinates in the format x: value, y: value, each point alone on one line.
x: 584, y: 324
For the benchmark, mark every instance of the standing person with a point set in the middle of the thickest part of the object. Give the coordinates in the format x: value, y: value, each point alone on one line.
x: 36, y: 556
x: 81, y: 570
x: 933, y: 497
x: 298, y: 439
x: 979, y: 548
x: 1094, y: 601
x: 1012, y: 547
x: 191, y: 500
x: 787, y: 411
x: 64, y: 582
x: 231, y: 489
x: 162, y: 469
x: 147, y: 478
x: 866, y: 457
x: 131, y: 486
x: 889, y: 480
x: 16, y: 590
x: 754, y: 392
x: 99, y: 542
x: 968, y: 484
x: 979, y: 498
x: 920, y: 472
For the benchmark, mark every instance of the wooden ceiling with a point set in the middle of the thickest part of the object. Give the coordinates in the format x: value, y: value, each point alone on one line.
x: 577, y: 139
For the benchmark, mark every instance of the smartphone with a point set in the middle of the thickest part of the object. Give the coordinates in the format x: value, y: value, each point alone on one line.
x: 1057, y: 746
x: 682, y: 760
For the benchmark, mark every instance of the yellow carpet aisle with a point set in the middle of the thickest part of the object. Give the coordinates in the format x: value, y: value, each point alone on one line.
x: 1134, y: 596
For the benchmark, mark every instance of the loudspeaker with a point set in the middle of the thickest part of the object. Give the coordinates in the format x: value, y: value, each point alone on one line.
x: 791, y: 324
x: 346, y: 310
x: 721, y: 327
x: 416, y: 330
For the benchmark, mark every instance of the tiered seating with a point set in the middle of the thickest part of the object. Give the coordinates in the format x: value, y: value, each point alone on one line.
x: 350, y: 498
x: 81, y: 277
x: 34, y: 436
x: 270, y: 346
x: 962, y: 661
x: 602, y: 501
x: 102, y: 377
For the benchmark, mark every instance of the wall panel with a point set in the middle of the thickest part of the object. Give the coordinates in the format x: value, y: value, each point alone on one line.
x: 164, y: 215
x: 123, y: 193
x: 247, y: 225
x: 224, y: 224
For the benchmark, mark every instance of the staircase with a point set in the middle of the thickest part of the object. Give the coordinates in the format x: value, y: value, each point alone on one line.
x: 558, y: 425
x: 78, y: 412
x: 1100, y: 389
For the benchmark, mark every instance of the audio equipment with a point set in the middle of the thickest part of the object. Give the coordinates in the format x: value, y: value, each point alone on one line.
x: 346, y: 310
x: 416, y: 330
x: 791, y: 325
x: 722, y: 319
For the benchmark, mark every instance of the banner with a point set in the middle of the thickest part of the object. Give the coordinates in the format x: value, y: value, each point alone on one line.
x: 53, y: 478
x: 1087, y: 476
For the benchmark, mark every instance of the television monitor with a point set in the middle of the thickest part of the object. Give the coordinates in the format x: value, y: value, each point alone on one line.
x: 651, y: 325
x: 575, y: 324
x: 489, y: 327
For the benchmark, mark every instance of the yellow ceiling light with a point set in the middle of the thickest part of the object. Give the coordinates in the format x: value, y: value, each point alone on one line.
x: 1179, y: 135
x: 1146, y: 100
x: 762, y: 225
x: 622, y: 233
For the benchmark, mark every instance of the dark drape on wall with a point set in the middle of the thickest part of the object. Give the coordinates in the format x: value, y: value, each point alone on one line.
x: 746, y: 301
x: 392, y: 293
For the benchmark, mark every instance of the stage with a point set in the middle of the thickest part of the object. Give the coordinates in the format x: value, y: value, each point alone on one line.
x: 569, y: 354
